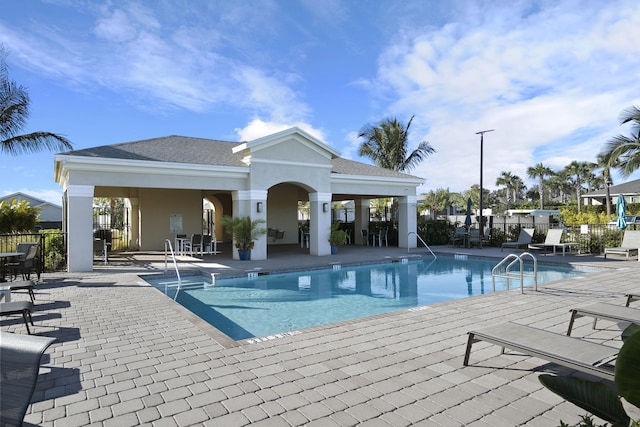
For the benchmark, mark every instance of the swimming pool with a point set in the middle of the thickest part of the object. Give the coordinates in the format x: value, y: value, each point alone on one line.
x: 281, y: 302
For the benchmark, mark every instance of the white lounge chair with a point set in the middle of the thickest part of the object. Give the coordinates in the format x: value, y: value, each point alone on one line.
x: 525, y: 237
x: 574, y: 353
x: 600, y: 310
x: 552, y: 241
x: 628, y: 247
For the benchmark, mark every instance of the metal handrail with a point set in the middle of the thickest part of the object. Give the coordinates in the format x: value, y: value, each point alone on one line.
x: 167, y: 244
x: 495, y: 272
x: 423, y: 242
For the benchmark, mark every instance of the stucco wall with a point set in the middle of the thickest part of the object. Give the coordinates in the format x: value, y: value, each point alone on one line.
x: 282, y: 212
x: 156, y: 207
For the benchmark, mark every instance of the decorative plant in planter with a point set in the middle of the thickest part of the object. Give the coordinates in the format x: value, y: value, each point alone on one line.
x: 337, y: 237
x: 244, y: 233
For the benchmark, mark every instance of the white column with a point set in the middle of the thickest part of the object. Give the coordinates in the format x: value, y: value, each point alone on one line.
x: 134, y: 224
x: 245, y: 203
x: 361, y: 221
x: 407, y: 222
x: 79, y: 228
x: 319, y: 224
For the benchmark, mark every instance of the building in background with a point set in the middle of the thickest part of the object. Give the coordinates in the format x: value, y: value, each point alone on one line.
x: 50, y: 214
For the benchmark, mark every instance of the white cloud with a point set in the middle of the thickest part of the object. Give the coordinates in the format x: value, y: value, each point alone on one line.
x: 543, y: 87
x: 258, y: 128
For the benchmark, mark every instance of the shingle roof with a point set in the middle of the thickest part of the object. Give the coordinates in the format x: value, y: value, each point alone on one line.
x: 201, y: 151
x: 170, y: 149
x: 351, y: 167
x: 626, y: 188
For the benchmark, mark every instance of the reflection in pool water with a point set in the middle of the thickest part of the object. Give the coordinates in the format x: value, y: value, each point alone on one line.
x: 275, y: 303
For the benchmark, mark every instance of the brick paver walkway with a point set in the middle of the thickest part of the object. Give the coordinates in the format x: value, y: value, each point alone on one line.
x: 127, y: 355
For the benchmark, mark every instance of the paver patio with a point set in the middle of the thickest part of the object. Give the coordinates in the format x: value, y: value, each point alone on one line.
x: 128, y: 355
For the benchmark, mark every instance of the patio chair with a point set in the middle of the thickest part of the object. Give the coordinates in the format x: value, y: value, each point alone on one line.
x: 19, y: 367
x: 628, y: 247
x: 18, y: 307
x: 100, y: 248
x: 552, y: 241
x: 574, y: 353
x: 525, y: 237
x: 195, y: 244
x: 209, y: 244
x: 383, y: 236
x: 457, y: 237
x: 600, y: 310
x: 28, y: 263
x: 365, y: 237
x: 476, y: 239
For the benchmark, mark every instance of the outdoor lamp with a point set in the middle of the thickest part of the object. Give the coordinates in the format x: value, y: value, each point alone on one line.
x: 259, y: 207
x: 325, y: 207
x: 481, y: 133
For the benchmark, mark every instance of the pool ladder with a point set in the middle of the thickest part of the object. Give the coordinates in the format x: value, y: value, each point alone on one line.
x: 423, y: 242
x: 168, y: 250
x: 508, y: 274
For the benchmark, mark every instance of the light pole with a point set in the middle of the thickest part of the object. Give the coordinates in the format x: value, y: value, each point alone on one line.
x: 481, y: 133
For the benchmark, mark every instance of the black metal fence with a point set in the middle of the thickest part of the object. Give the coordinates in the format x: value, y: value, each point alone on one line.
x: 52, y: 255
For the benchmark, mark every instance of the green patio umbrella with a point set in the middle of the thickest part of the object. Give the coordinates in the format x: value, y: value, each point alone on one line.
x: 621, y: 211
x: 467, y: 220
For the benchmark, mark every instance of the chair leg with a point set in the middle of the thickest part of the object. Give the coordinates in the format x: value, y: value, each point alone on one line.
x: 26, y: 323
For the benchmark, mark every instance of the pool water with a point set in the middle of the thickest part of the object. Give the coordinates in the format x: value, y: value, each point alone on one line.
x: 276, y: 303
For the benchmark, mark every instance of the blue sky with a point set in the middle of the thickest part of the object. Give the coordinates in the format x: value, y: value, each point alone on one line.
x: 551, y: 77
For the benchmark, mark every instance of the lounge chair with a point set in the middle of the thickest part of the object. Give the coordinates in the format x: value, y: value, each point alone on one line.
x: 24, y: 285
x: 574, y: 353
x: 20, y: 364
x: 631, y: 298
x: 628, y: 247
x: 18, y: 307
x: 552, y: 241
x: 600, y: 310
x: 525, y: 237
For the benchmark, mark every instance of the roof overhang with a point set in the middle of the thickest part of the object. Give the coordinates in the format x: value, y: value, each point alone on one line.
x: 66, y: 163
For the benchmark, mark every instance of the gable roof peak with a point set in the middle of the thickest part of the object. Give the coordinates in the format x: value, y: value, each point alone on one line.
x: 274, y: 138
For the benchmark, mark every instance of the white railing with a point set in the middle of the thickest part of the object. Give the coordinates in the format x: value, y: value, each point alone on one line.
x: 520, y: 274
x: 423, y: 242
x: 168, y: 250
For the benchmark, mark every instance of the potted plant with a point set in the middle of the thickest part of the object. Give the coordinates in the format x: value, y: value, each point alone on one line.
x: 337, y: 237
x: 244, y: 232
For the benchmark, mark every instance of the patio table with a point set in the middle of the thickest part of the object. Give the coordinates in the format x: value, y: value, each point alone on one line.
x: 4, y: 257
x: 180, y: 241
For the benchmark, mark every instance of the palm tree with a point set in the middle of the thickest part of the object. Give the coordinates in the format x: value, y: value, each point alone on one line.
x: 513, y: 184
x: 506, y: 179
x: 624, y: 152
x: 559, y: 186
x: 579, y: 171
x: 540, y: 171
x: 14, y: 111
x: 386, y: 145
x: 603, y: 161
x: 518, y: 188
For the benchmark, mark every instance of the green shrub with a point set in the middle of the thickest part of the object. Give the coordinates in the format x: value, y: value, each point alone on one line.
x: 53, y: 250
